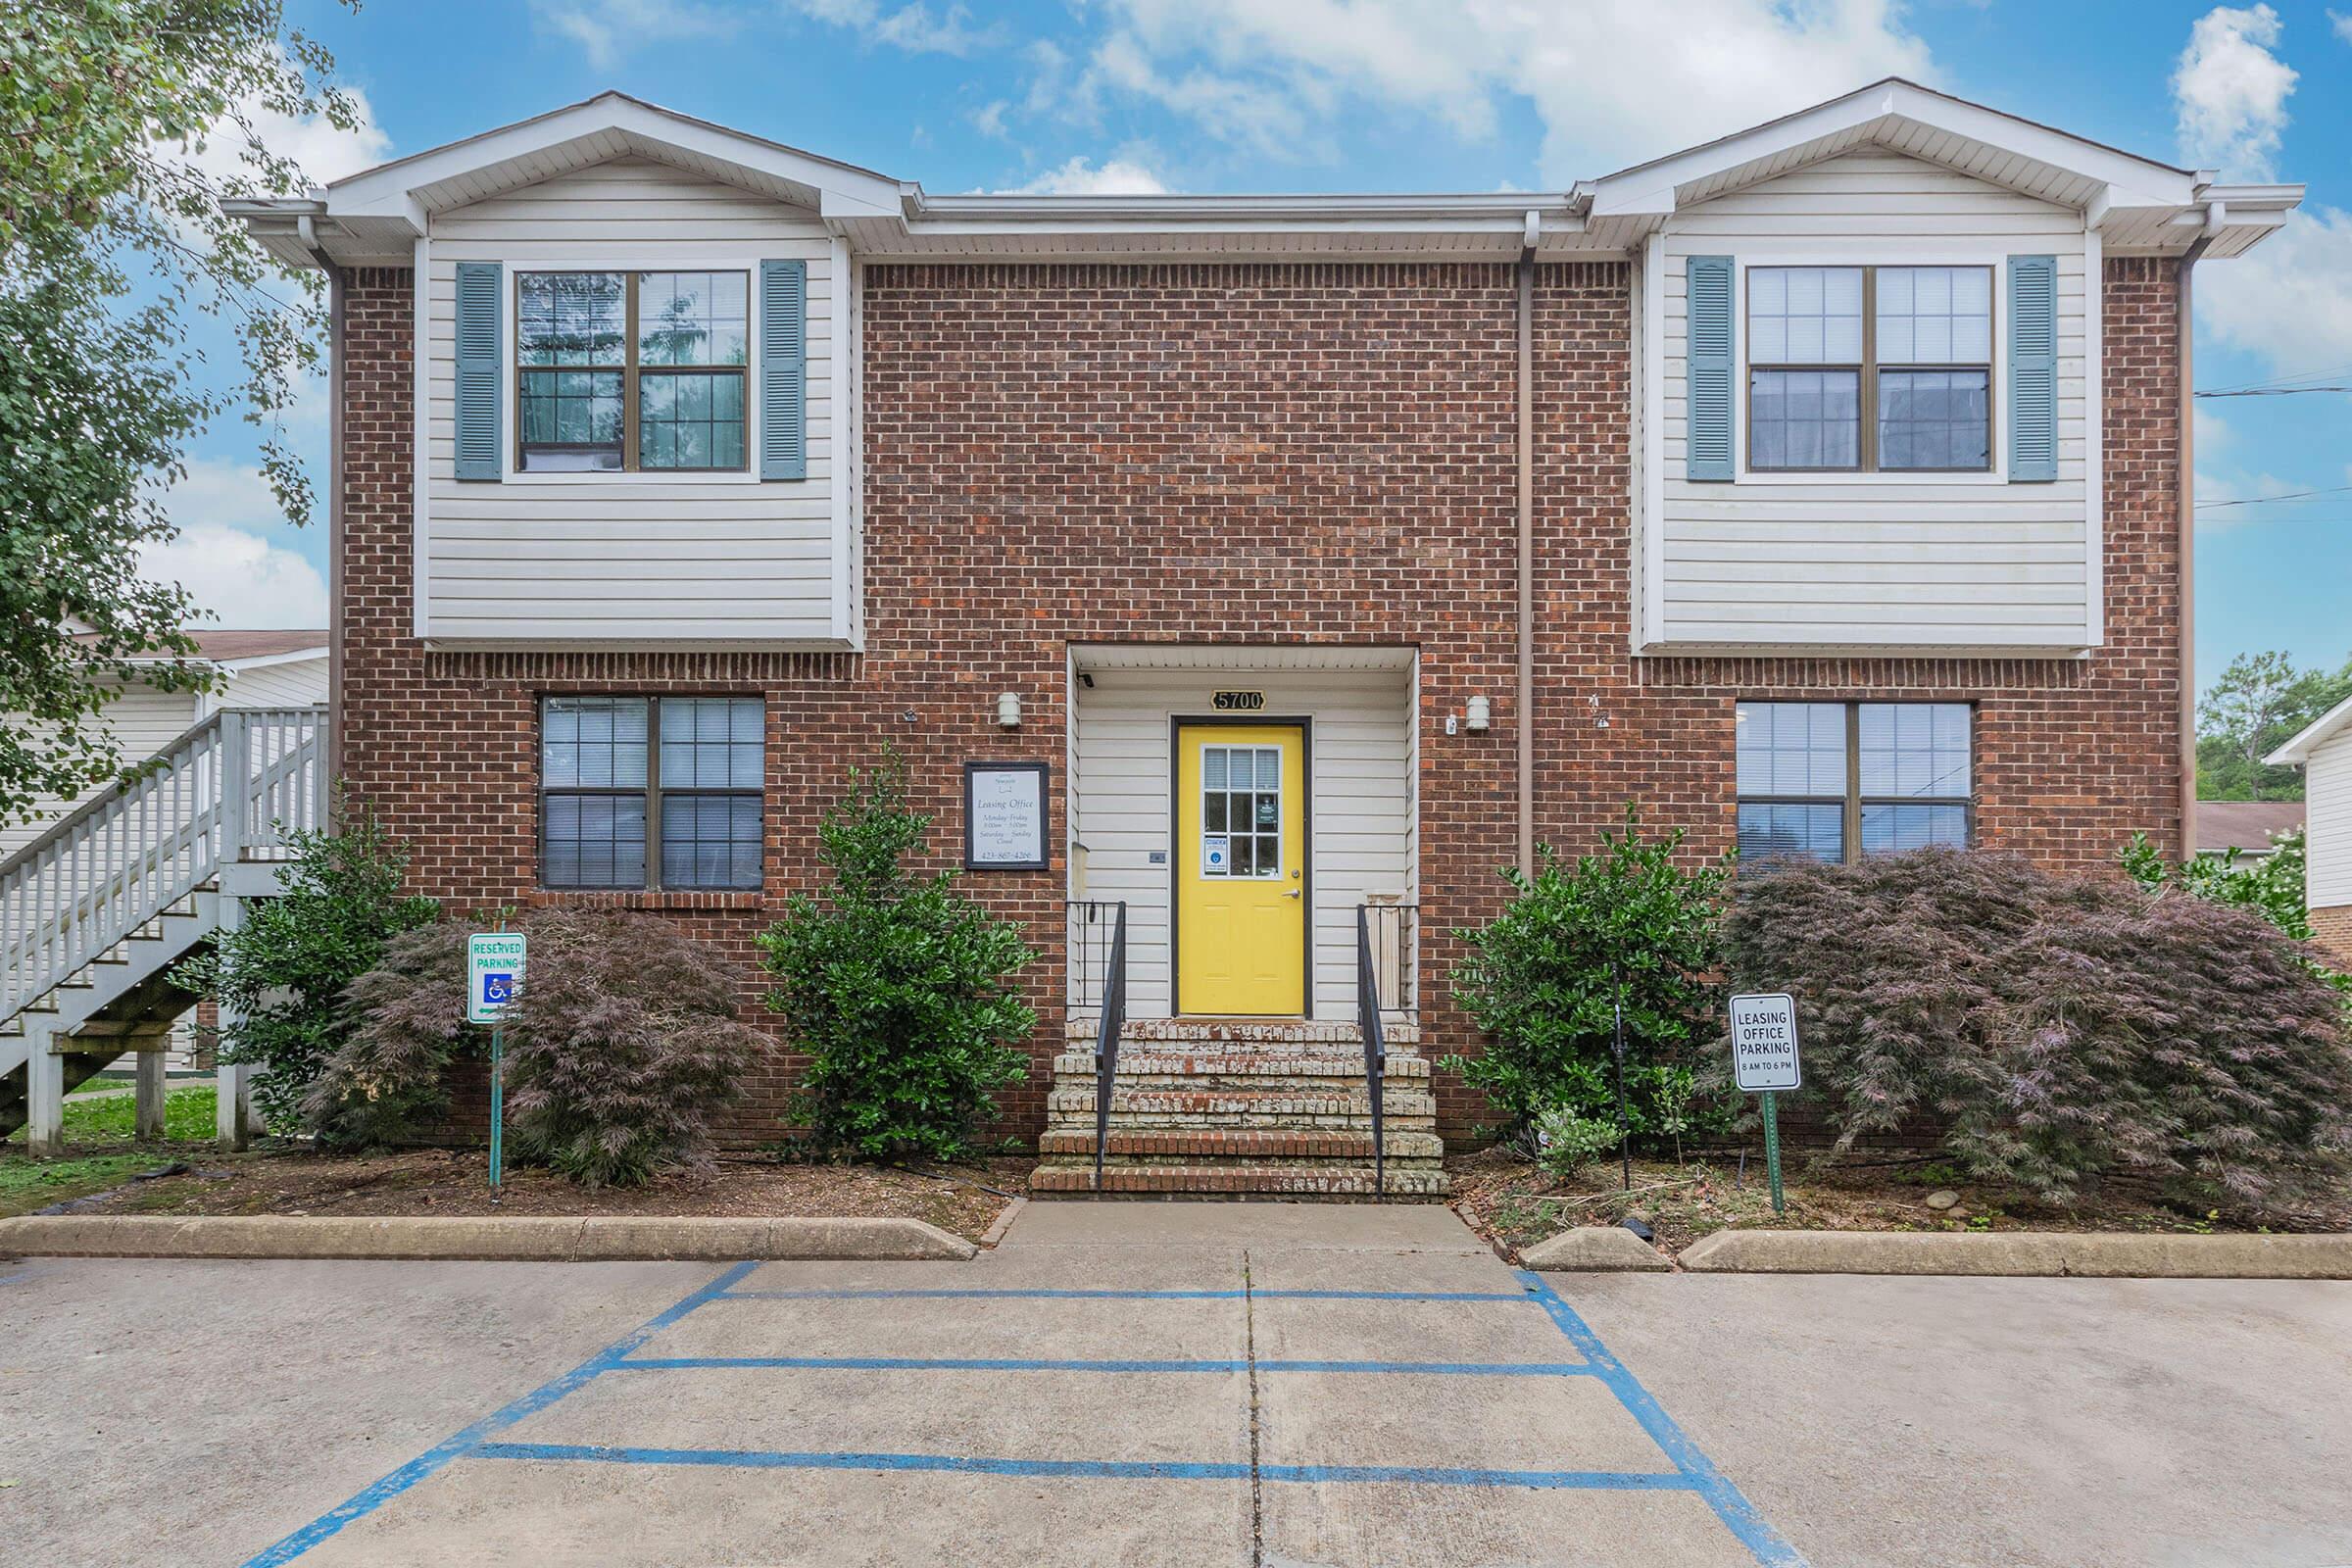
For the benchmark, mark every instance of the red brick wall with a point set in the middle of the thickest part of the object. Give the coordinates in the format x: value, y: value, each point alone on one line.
x: 1242, y: 453
x: 2331, y: 927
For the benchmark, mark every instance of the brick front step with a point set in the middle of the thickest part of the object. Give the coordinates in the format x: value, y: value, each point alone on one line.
x: 1255, y: 1144
x: 1302, y: 1180
x: 1141, y: 1106
x: 1134, y: 1062
x: 1265, y: 1034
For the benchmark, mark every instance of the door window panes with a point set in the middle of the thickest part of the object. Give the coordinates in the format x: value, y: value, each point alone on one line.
x: 1241, y: 805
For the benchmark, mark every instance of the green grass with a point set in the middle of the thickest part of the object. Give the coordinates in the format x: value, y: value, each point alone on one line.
x: 187, y: 1118
x: 110, y: 1157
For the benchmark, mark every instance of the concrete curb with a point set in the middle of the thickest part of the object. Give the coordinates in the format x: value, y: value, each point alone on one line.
x: 1002, y: 1223
x: 1593, y: 1248
x: 2104, y: 1255
x: 516, y: 1237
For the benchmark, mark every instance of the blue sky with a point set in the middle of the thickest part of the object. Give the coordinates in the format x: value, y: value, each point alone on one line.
x: 1313, y: 95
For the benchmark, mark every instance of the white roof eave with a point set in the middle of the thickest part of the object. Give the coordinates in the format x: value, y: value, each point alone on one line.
x: 2316, y: 734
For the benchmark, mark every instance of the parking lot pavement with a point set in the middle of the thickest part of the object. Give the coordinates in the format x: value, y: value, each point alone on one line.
x: 1179, y: 1384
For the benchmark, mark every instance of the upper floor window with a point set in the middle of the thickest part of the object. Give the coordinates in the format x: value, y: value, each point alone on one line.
x: 631, y: 371
x: 1912, y: 346
x: 1836, y: 781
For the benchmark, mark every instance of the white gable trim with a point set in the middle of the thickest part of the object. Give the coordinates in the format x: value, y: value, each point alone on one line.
x: 2316, y: 733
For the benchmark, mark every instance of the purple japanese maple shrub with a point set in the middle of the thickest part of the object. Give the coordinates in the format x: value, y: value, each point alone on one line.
x: 2062, y: 1029
x: 623, y: 1045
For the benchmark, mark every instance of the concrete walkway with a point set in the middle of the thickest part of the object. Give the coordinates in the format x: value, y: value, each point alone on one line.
x: 1147, y: 1384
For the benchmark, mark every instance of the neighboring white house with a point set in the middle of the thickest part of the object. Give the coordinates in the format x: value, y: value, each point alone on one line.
x: 257, y: 670
x: 2323, y: 751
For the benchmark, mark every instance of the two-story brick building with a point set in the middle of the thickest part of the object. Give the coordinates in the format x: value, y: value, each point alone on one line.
x: 1820, y: 489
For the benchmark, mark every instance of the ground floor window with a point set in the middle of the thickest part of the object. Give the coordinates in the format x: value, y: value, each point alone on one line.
x: 640, y: 792
x: 1836, y: 781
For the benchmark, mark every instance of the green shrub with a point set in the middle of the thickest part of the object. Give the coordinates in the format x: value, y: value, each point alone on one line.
x: 621, y: 1045
x: 900, y: 990
x: 1567, y: 1140
x: 1541, y: 982
x: 281, y: 978
x: 2062, y: 1029
x: 2269, y: 885
x: 405, y: 1023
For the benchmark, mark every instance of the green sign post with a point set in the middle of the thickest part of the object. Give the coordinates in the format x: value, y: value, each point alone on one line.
x: 1764, y: 1061
x: 494, y: 961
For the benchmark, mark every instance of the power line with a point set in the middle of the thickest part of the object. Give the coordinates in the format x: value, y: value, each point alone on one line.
x: 2284, y: 494
x: 2274, y: 391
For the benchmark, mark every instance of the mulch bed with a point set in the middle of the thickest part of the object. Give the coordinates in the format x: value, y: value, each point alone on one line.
x: 1512, y: 1202
x: 454, y: 1182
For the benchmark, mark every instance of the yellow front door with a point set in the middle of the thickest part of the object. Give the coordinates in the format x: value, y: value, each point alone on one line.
x: 1241, y: 870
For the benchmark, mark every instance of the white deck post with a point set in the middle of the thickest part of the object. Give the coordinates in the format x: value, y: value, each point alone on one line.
x: 148, y: 1094
x: 233, y: 1114
x: 44, y: 1091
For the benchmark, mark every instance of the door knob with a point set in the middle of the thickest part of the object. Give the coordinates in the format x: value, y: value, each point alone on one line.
x: 1290, y: 893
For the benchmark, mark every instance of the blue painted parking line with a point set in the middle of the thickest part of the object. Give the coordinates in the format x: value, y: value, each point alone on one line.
x: 858, y: 1295
x: 1097, y: 1469
x: 440, y: 1457
x: 1739, y: 1515
x: 958, y: 1363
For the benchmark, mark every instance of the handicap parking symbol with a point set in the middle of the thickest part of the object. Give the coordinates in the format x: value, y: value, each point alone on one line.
x: 498, y: 989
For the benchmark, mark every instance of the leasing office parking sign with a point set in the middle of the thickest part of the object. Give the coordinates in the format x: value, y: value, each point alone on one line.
x: 1764, y: 1042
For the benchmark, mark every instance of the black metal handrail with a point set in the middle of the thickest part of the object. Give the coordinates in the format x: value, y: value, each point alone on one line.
x: 1376, y: 1054
x: 1085, y: 940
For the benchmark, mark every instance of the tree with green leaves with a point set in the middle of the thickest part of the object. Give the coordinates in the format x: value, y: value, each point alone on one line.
x: 2259, y: 703
x: 902, y: 991
x: 118, y: 119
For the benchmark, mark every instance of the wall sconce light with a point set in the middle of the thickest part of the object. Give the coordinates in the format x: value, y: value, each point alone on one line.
x: 1482, y: 716
x: 1009, y: 710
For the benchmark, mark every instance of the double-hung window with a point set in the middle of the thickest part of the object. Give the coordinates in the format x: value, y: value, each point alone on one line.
x: 1838, y: 781
x: 632, y: 371
x: 644, y: 792
x: 1869, y: 370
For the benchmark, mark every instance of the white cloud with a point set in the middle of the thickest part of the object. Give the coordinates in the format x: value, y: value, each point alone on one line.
x: 2289, y: 299
x: 608, y: 29
x: 2230, y: 92
x: 1613, y: 83
x: 323, y: 150
x: 913, y: 28
x: 1082, y: 177
x: 232, y: 571
x: 2340, y: 24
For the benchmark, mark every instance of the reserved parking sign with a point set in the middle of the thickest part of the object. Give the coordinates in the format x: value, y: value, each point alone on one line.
x: 493, y: 974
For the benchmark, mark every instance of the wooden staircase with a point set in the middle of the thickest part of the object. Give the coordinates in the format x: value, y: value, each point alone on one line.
x: 97, y: 913
x: 1241, y: 1107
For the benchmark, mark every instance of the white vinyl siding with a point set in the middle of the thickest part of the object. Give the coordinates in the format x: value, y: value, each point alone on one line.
x: 1874, y: 560
x: 143, y: 722
x: 2328, y: 836
x: 296, y: 684
x: 628, y: 557
x: 1359, y: 739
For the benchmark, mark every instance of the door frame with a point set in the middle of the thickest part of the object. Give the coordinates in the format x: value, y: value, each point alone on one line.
x: 1177, y: 723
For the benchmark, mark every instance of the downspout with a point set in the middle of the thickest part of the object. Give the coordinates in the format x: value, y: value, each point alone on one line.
x: 1527, y: 543
x: 2188, y: 541
x: 335, y: 290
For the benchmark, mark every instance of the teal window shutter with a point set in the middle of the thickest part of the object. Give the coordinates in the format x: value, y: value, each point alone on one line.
x: 783, y: 370
x: 1707, y: 442
x: 479, y: 374
x: 2034, y: 368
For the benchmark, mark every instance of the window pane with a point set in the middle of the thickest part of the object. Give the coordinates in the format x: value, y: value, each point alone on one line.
x: 711, y: 841
x: 569, y: 319
x: 1935, y: 420
x: 1783, y: 832
x: 1935, y: 315
x: 571, y: 419
x: 593, y: 742
x: 593, y: 841
x: 689, y: 420
x: 690, y: 318
x: 1804, y: 314
x: 699, y: 745
x: 1895, y: 829
x: 1915, y: 748
x: 1791, y: 749
x: 1804, y: 419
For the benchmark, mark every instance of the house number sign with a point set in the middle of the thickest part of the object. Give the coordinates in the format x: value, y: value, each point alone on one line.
x: 1237, y: 702
x: 1004, y: 816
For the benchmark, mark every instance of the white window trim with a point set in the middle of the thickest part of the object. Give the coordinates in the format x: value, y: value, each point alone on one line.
x: 1868, y: 255
x: 511, y: 398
